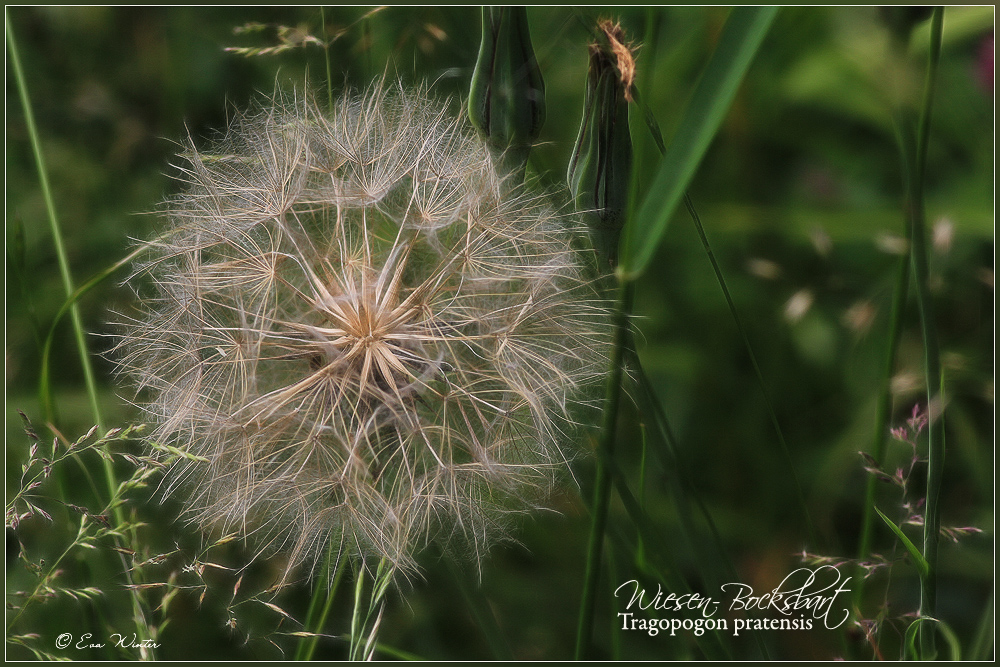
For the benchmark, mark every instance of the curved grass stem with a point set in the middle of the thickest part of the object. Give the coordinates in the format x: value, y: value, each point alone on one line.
x: 45, y: 381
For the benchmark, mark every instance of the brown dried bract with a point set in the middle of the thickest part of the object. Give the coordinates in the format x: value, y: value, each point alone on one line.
x: 624, y: 54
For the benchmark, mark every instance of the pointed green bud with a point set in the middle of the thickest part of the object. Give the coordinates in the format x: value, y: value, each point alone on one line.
x: 600, y: 168
x: 507, y: 99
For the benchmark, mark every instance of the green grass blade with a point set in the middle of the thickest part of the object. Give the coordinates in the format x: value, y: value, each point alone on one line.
x: 57, y: 240
x: 44, y: 382
x: 923, y: 624
x: 324, y: 594
x: 741, y: 37
x: 138, y: 612
x: 785, y: 452
x: 602, y: 487
x: 482, y: 613
x: 920, y: 253
x: 982, y: 643
x: 918, y: 558
x: 883, y: 414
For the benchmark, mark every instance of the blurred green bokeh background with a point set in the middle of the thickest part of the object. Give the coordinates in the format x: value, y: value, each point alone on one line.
x: 800, y: 195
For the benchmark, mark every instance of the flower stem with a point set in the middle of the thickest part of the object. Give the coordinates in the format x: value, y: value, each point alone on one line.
x: 602, y: 488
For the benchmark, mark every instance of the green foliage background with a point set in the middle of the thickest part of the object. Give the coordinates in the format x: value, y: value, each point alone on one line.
x: 800, y: 195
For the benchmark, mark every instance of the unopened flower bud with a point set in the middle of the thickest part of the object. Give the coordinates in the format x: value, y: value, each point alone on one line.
x: 601, y: 166
x: 507, y: 99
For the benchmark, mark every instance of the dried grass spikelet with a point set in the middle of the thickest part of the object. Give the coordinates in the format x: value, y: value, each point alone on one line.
x: 371, y: 337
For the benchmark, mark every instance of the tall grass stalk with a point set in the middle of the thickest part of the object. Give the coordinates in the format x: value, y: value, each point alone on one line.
x: 913, y: 143
x: 139, y: 615
x: 786, y: 454
x: 913, y: 152
x: 55, y: 228
x: 920, y: 253
x: 883, y: 416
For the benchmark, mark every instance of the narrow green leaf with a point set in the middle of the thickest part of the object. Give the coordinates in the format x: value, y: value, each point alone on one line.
x: 714, y: 645
x: 654, y: 129
x: 56, y: 230
x: 741, y: 37
x: 911, y: 646
x: 982, y: 642
x: 918, y: 558
x: 602, y: 485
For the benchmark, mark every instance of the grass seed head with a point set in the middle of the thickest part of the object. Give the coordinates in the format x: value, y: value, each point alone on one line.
x: 370, y: 336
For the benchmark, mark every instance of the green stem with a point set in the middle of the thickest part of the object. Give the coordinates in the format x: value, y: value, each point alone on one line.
x: 67, y: 279
x: 883, y: 415
x: 800, y: 497
x: 326, y: 591
x: 602, y: 488
x: 64, y: 271
x: 935, y: 399
x: 44, y: 383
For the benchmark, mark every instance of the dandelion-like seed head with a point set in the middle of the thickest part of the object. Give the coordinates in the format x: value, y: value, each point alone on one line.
x: 372, y: 339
